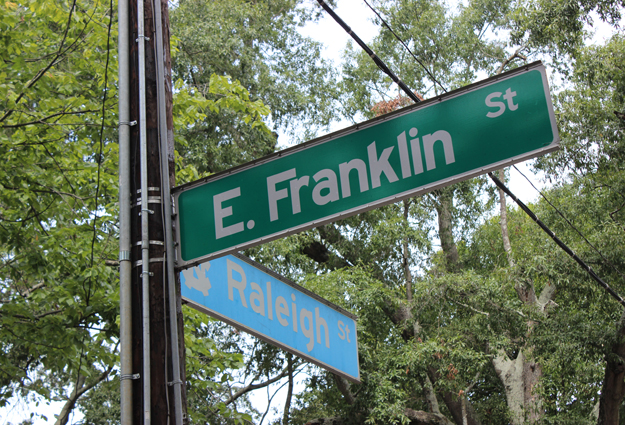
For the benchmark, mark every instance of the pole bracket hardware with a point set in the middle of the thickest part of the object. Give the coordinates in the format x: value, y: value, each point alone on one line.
x: 161, y: 243
x: 147, y: 210
x: 139, y: 263
x: 128, y: 123
x: 150, y: 189
x: 124, y: 255
x: 151, y: 200
x: 130, y: 376
x: 172, y: 383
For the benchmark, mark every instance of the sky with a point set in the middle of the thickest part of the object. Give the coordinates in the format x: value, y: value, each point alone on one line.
x: 358, y: 16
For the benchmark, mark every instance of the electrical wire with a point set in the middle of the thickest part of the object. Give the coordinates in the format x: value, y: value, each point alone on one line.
x: 515, y: 167
x: 99, y: 158
x: 406, y: 47
x: 570, y: 224
x: 529, y: 212
x: 557, y: 240
x: 370, y: 52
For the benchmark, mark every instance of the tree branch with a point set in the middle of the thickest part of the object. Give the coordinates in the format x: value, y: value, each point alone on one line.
x: 252, y: 387
x: 343, y: 386
x: 42, y: 120
x: 79, y: 390
x: 515, y: 55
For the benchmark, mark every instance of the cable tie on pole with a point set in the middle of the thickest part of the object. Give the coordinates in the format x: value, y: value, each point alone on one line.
x: 151, y: 189
x: 140, y: 243
x: 139, y: 263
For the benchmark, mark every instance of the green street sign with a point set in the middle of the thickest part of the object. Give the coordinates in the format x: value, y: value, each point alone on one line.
x: 470, y: 131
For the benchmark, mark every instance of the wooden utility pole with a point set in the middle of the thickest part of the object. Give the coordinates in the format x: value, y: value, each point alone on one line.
x: 162, y: 410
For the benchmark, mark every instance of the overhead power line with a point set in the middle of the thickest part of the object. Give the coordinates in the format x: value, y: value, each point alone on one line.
x: 608, y: 262
x: 406, y: 47
x: 497, y: 182
x: 370, y: 52
x: 557, y: 240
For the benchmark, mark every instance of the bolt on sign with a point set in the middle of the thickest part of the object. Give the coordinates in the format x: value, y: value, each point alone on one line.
x: 473, y: 130
x: 252, y: 298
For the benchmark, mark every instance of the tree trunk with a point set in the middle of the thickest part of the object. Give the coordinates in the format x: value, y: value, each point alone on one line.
x: 519, y: 378
x: 613, y: 388
x: 445, y: 197
x: 503, y: 220
x: 459, y: 413
x: 430, y: 396
x: 289, y: 395
x: 443, y: 208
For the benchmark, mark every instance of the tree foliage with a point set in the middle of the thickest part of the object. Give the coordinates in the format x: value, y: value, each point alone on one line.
x: 468, y: 313
x: 258, y: 45
x: 57, y: 190
x: 58, y: 193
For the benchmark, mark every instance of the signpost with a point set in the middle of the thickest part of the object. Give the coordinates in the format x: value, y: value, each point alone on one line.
x: 250, y: 297
x: 465, y: 133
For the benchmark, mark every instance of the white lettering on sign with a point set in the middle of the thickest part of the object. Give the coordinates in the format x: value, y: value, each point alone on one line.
x: 361, y: 168
x: 323, y: 186
x: 199, y: 280
x: 416, y: 152
x: 428, y: 147
x: 275, y: 195
x: 380, y: 165
x: 403, y: 156
x: 312, y: 325
x: 343, y: 330
x: 296, y: 185
x: 221, y: 213
x: 282, y: 308
x: 239, y: 285
x: 321, y: 322
x: 508, y: 97
x: 329, y: 183
x: 325, y: 183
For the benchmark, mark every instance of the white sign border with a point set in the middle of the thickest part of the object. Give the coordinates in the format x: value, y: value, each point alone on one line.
x: 181, y: 264
x: 251, y: 331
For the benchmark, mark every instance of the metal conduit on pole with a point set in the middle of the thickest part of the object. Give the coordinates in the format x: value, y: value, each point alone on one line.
x: 125, y: 265
x: 145, y: 239
x: 167, y: 212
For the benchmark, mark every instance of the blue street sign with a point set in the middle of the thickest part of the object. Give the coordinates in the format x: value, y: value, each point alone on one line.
x: 254, y: 299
